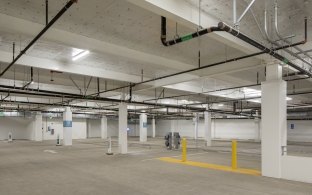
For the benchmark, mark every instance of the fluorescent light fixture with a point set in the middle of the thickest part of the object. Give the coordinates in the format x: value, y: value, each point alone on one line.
x: 80, y: 55
x: 258, y: 100
x: 220, y: 105
x: 288, y: 98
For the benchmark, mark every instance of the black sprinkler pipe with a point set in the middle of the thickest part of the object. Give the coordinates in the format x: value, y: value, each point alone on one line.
x: 271, y: 52
x: 187, y: 37
x: 31, y: 78
x: 63, y: 10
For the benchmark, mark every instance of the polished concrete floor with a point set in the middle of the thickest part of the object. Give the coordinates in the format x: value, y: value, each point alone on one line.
x: 42, y: 169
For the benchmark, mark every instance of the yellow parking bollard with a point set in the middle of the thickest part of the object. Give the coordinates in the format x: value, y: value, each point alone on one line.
x: 234, y: 154
x: 184, y: 150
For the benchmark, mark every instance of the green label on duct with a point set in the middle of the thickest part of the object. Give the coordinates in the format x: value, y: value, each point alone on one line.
x: 285, y: 61
x: 187, y: 37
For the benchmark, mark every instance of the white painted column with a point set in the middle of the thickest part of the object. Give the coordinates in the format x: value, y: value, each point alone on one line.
x: 67, y: 127
x: 143, y: 127
x: 173, y: 127
x: 195, y: 120
x: 273, y: 121
x: 123, y: 125
x: 257, y: 127
x: 207, y: 127
x: 154, y: 127
x: 38, y: 127
x: 104, y: 127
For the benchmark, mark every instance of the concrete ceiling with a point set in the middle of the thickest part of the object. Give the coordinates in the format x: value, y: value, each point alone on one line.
x: 124, y: 39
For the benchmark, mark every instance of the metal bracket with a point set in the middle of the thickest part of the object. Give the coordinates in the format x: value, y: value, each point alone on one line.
x: 235, y: 20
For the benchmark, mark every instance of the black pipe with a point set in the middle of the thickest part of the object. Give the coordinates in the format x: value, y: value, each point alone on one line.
x: 51, y: 104
x: 5, y: 97
x: 47, y: 12
x: 98, y: 86
x: 223, y: 89
x: 217, y: 63
x: 13, y: 50
x: 130, y: 93
x: 63, y: 10
x: 306, y: 31
x: 204, y: 67
x: 243, y: 99
x: 31, y: 78
x: 56, y: 94
x: 271, y: 52
x: 198, y: 33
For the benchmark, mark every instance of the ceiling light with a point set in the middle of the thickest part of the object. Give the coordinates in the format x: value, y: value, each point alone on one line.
x: 288, y: 98
x: 220, y: 105
x: 80, y: 55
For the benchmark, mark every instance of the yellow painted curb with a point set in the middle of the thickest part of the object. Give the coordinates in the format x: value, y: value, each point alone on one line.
x: 211, y: 166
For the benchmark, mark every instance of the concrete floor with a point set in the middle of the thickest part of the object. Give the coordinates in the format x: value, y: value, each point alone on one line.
x: 42, y: 168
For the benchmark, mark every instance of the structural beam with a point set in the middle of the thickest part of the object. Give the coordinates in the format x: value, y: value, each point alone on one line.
x: 16, y: 25
x: 48, y: 64
x: 185, y: 14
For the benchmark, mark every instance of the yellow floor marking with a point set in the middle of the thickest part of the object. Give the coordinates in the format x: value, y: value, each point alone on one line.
x: 211, y: 166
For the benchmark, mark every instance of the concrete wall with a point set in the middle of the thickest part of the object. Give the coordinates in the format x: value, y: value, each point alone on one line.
x: 235, y: 129
x: 221, y: 128
x: 22, y: 128
x: 79, y: 128
x: 302, y: 131
x: 93, y: 128
x: 297, y: 168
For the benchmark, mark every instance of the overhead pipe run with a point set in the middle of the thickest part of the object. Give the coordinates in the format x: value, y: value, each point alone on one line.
x: 277, y: 44
x: 184, y: 38
x: 271, y: 52
x: 60, y: 13
x: 31, y: 78
x: 199, y: 68
x: 55, y: 94
x: 281, y: 37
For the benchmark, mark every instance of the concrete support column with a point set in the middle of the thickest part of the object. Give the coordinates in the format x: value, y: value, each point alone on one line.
x: 67, y: 127
x: 104, y: 127
x: 207, y: 128
x: 123, y: 124
x: 273, y: 121
x: 173, y: 126
x: 38, y: 127
x: 143, y: 127
x: 154, y: 127
x: 196, y: 120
